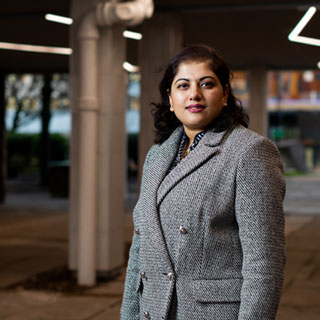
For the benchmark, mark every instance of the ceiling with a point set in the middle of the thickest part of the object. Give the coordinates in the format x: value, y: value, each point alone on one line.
x: 23, y: 22
x: 247, y: 32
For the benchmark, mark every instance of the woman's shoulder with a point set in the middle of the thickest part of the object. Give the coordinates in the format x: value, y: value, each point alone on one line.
x: 246, y: 137
x: 242, y: 132
x: 172, y: 142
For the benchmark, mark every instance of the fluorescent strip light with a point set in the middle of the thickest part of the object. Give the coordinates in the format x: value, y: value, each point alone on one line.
x: 129, y: 67
x: 58, y: 19
x: 33, y: 48
x: 294, y: 34
x: 132, y: 35
x: 306, y: 40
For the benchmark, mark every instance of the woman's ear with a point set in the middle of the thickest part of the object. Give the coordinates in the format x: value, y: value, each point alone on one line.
x: 170, y: 100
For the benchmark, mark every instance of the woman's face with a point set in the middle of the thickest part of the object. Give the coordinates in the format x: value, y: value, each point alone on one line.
x: 196, y: 96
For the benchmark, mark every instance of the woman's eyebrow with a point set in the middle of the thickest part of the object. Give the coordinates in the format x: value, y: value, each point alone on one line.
x: 182, y: 79
x: 205, y: 77
x: 202, y: 78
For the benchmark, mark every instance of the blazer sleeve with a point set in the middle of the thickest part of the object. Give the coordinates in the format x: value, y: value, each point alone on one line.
x: 260, y: 189
x: 130, y: 308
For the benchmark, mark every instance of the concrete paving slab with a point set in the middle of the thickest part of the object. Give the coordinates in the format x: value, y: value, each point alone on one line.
x: 301, y: 295
x: 21, y: 302
x: 35, y: 259
x: 293, y: 223
x: 47, y: 225
x: 66, y: 308
x: 303, y: 195
x: 112, y: 288
x: 110, y: 314
x: 307, y: 297
x: 294, y: 263
x: 296, y: 313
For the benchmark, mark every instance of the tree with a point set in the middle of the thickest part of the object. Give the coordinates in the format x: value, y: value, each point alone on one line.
x: 23, y: 94
x: 32, y: 96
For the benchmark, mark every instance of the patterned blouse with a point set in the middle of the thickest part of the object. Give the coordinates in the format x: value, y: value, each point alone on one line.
x: 182, y: 152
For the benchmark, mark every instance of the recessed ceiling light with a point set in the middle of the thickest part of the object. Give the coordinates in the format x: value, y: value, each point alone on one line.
x: 58, y: 19
x: 132, y: 35
x: 66, y: 20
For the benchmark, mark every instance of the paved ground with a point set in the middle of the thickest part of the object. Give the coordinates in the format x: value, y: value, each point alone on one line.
x: 33, y: 238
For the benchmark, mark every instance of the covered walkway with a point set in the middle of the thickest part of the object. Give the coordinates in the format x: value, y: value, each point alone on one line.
x: 34, y: 239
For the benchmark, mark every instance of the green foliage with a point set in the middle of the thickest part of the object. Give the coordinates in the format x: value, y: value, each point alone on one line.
x: 24, y: 151
x: 294, y: 173
x: 59, y: 147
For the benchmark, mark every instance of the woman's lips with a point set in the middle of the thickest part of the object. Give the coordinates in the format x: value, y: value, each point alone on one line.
x: 195, y: 108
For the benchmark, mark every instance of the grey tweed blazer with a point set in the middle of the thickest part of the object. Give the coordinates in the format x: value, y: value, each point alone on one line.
x: 209, y: 236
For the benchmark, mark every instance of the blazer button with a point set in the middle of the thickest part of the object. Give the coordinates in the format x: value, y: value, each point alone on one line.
x: 170, y: 275
x: 143, y: 275
x: 147, y: 315
x: 182, y: 230
x: 137, y: 231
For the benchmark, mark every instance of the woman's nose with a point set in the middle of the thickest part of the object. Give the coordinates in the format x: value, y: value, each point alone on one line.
x: 195, y: 93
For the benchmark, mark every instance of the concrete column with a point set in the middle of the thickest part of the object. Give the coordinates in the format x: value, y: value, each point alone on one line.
x: 97, y: 149
x: 258, y: 100
x: 98, y: 134
x: 162, y: 38
x: 111, y: 150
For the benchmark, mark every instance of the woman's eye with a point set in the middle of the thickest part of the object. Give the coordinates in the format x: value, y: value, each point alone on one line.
x: 208, y: 84
x: 183, y: 85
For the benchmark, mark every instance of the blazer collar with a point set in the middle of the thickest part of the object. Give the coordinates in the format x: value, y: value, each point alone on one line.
x: 207, y: 148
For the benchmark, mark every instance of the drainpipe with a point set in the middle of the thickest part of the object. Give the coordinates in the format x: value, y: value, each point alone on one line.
x: 105, y: 14
x: 129, y: 13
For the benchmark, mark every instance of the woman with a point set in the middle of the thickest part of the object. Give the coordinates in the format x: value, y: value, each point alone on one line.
x: 209, y: 225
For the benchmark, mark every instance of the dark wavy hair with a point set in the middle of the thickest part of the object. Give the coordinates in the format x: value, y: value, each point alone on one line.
x: 166, y: 122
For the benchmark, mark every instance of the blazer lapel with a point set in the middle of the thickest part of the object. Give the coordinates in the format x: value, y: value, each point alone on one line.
x: 208, y: 146
x: 163, y: 158
x: 158, y: 165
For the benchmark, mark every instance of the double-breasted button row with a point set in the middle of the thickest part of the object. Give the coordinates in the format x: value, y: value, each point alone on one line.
x: 147, y: 315
x: 183, y: 230
x: 170, y: 275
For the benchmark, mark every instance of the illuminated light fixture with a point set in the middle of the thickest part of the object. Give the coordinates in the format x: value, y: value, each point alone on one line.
x: 318, y: 64
x: 58, y: 19
x: 132, y: 35
x: 66, y: 20
x: 33, y: 48
x: 129, y: 67
x: 295, y: 33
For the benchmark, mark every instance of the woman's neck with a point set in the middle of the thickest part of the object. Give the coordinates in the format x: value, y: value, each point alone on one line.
x: 191, y: 135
